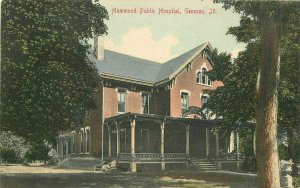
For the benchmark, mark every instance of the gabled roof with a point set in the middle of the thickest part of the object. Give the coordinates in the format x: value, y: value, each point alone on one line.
x: 120, y: 65
x: 173, y: 66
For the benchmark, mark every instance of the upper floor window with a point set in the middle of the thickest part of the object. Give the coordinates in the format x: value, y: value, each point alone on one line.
x: 121, y: 100
x: 202, y: 77
x: 184, y: 102
x: 145, y: 103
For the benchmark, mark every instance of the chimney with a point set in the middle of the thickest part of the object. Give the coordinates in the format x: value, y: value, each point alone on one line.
x: 99, y: 47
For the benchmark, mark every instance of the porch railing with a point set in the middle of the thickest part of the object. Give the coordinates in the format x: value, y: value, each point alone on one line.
x: 152, y: 156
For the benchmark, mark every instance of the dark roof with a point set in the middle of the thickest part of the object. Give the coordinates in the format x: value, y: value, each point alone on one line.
x: 173, y: 65
x: 125, y: 66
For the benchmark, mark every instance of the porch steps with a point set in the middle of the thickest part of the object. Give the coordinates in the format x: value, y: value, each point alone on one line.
x: 82, y: 163
x: 204, y: 165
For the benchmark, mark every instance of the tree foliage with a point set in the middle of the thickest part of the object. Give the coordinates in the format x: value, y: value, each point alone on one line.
x: 235, y: 102
x: 47, y: 84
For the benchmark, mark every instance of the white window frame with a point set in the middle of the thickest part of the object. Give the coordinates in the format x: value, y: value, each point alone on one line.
x: 121, y: 90
x: 199, y: 75
x: 188, y: 101
x: 148, y: 105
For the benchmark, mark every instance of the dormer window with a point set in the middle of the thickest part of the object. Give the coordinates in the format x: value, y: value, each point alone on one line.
x: 202, y: 77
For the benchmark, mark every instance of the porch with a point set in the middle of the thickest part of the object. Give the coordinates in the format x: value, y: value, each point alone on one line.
x: 155, y: 139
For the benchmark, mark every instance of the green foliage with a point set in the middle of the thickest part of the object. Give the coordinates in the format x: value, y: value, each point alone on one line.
x: 47, y: 84
x: 283, y: 152
x: 13, y: 145
x: 37, y: 152
x: 235, y: 102
x: 8, y: 155
x: 297, y: 181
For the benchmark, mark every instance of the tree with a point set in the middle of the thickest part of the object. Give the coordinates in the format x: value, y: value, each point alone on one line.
x: 47, y: 84
x: 239, y: 108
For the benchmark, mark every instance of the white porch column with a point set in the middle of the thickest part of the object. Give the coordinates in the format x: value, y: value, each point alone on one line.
x: 67, y: 146
x: 231, y: 142
x: 118, y: 140
x: 61, y: 143
x: 109, y: 141
x: 162, y: 145
x: 207, y: 142
x: 187, y: 142
x: 133, y: 163
x: 57, y: 146
x: 237, y: 151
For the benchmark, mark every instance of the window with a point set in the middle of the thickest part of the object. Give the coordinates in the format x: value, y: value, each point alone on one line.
x: 204, y: 99
x: 184, y: 102
x: 145, y: 103
x: 87, y: 137
x: 202, y: 77
x: 121, y: 100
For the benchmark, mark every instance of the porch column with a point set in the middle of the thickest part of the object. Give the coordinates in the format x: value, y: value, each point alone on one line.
x: 187, y: 142
x: 133, y: 163
x: 118, y: 139
x: 254, y: 142
x: 109, y: 141
x: 218, y: 151
x: 207, y: 142
x: 217, y: 146
x: 61, y: 143
x: 162, y: 145
x: 67, y: 146
x: 237, y: 145
x: 231, y: 142
x: 237, y: 151
x: 57, y: 146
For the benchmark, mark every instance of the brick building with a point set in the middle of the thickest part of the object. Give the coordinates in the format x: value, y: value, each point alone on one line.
x: 144, y: 111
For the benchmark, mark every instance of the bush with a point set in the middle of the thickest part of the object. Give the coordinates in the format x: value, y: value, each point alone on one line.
x: 8, y: 155
x: 297, y: 181
x: 249, y: 163
x: 37, y: 152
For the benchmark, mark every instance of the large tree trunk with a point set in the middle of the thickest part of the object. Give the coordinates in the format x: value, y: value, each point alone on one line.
x: 292, y: 149
x: 267, y: 102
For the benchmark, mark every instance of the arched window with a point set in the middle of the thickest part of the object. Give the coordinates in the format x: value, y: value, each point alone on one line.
x: 202, y: 77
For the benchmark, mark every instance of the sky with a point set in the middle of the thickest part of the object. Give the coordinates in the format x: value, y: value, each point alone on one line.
x: 160, y: 35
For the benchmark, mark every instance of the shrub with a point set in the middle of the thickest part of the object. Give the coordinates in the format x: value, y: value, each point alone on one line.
x: 8, y: 155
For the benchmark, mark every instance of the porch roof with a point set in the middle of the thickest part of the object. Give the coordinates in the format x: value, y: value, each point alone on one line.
x: 127, y: 117
x: 160, y: 118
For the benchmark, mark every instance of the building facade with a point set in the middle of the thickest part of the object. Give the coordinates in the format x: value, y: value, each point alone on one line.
x: 142, y: 106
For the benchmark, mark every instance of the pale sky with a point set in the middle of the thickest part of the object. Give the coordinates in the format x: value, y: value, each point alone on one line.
x: 160, y: 37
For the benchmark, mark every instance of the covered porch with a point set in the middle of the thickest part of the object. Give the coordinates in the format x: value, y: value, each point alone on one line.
x: 155, y: 139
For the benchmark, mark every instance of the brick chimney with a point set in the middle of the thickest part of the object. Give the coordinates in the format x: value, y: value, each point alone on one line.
x: 99, y: 47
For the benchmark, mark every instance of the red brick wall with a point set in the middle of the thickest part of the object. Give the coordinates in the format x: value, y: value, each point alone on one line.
x: 187, y: 81
x: 133, y: 102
